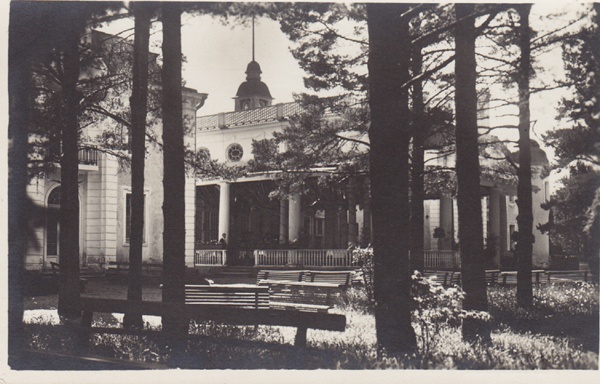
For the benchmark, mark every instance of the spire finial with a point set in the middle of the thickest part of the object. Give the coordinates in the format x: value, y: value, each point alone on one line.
x: 252, y: 37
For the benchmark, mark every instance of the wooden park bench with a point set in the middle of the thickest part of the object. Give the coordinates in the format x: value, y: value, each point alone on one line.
x: 301, y: 296
x: 491, y: 276
x: 121, y: 268
x: 56, y: 271
x: 574, y: 275
x: 455, y: 277
x: 227, y: 314
x: 512, y: 275
x: 280, y: 275
x: 341, y: 278
x: 452, y: 278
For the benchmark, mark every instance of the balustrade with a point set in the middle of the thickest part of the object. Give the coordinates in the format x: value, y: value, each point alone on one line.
x: 303, y: 257
x: 210, y: 257
x: 318, y: 258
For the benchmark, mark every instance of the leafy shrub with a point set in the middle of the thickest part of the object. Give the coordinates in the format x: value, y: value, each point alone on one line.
x: 355, y: 298
x: 363, y: 258
x: 437, y: 308
x: 567, y: 299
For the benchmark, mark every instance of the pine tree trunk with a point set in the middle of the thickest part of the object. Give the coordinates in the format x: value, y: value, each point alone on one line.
x: 470, y: 222
x: 139, y: 100
x: 174, y: 177
x: 68, y: 294
x: 389, y: 134
x: 418, y: 167
x: 524, y: 246
x: 19, y: 93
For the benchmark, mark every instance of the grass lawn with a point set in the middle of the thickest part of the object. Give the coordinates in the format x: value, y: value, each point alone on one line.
x: 560, y: 332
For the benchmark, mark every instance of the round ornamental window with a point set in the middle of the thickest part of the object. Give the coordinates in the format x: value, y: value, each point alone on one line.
x: 235, y: 152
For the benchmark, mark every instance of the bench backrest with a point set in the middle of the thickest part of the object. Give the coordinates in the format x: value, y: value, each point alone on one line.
x: 302, y: 292
x: 452, y: 278
x: 491, y: 276
x: 280, y: 275
x: 455, y: 278
x: 341, y: 278
x: 247, y: 296
x: 122, y: 267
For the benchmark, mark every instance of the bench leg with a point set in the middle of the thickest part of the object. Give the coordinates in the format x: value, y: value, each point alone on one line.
x: 86, y: 319
x: 83, y: 334
x: 300, y: 337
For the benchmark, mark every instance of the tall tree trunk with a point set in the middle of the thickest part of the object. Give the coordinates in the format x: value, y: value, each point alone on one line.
x: 19, y: 89
x: 389, y: 134
x: 418, y: 167
x: 174, y: 176
x: 470, y: 222
x: 68, y: 294
x: 139, y: 100
x: 524, y: 247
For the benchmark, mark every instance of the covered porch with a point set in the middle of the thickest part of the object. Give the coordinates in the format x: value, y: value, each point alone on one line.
x: 262, y: 228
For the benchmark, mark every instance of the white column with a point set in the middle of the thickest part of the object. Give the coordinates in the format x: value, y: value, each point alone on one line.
x: 294, y: 218
x: 109, y: 199
x: 224, y: 197
x: 190, y: 222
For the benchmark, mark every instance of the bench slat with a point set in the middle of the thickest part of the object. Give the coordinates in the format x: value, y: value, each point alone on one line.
x: 299, y: 307
x: 283, y: 275
x: 227, y: 295
x: 342, y: 278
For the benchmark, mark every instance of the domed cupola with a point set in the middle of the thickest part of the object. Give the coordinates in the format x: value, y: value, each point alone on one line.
x: 252, y: 93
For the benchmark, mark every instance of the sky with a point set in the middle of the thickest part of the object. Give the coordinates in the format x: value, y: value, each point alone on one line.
x: 217, y: 56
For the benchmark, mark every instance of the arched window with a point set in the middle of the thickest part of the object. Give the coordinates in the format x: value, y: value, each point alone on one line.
x: 53, y: 222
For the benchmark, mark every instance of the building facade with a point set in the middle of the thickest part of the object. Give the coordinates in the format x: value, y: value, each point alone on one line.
x: 244, y: 210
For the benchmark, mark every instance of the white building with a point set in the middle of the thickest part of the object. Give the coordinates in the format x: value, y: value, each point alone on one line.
x: 254, y: 223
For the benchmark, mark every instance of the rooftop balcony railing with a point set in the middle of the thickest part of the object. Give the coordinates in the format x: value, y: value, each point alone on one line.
x: 87, y: 154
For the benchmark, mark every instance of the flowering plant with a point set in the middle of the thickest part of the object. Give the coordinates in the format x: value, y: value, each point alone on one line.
x: 363, y: 258
x: 436, y: 308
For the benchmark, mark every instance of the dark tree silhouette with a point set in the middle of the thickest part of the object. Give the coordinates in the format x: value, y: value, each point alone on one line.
x: 470, y: 224
x: 174, y: 168
x: 19, y: 88
x: 417, y: 179
x: 139, y: 107
x: 524, y: 247
x: 68, y: 292
x: 389, y: 134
